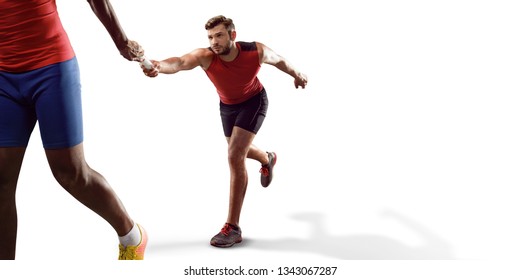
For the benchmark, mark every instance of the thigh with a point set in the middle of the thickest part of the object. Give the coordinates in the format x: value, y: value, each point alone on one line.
x: 248, y: 115
x: 17, y: 115
x: 58, y: 104
x: 228, y: 115
x: 67, y: 161
x: 253, y: 112
x: 10, y: 164
x: 240, y: 142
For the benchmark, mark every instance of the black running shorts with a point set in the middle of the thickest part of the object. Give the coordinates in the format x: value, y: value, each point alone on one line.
x: 248, y: 115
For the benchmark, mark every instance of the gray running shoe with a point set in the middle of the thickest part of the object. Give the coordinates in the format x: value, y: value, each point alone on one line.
x: 267, y: 170
x: 228, y: 236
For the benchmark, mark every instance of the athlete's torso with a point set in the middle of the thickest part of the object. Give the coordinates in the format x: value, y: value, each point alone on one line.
x: 31, y: 35
x: 236, y: 81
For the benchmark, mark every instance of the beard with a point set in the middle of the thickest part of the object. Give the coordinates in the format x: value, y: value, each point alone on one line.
x: 223, y: 50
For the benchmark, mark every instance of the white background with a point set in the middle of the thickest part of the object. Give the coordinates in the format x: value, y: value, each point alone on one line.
x: 404, y: 146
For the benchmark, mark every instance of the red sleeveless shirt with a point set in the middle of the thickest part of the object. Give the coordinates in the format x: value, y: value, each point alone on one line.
x: 31, y: 35
x: 236, y: 80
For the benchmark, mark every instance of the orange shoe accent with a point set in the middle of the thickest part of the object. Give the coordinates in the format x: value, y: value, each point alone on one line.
x: 134, y: 252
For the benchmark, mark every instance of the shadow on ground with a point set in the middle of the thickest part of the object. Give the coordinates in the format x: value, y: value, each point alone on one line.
x: 346, y: 247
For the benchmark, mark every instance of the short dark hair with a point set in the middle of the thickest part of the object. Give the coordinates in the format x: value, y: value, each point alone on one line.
x: 214, y: 21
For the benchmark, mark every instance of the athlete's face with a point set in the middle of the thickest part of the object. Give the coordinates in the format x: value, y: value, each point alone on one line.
x: 219, y: 40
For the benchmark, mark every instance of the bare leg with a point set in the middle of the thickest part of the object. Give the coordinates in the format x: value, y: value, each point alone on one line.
x: 238, y: 149
x: 257, y: 154
x: 89, y: 187
x: 10, y: 164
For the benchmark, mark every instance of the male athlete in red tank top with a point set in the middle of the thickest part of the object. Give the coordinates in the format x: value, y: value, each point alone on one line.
x: 233, y: 68
x: 236, y: 80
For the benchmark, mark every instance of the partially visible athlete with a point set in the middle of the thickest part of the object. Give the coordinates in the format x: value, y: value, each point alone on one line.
x: 40, y: 81
x: 233, y: 67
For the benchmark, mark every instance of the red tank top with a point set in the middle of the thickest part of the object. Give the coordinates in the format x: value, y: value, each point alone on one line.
x: 236, y: 80
x: 31, y: 35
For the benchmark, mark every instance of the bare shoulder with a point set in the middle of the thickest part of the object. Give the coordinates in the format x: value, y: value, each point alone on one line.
x: 260, y: 49
x: 260, y: 46
x: 265, y: 54
x: 202, y: 52
x: 204, y: 56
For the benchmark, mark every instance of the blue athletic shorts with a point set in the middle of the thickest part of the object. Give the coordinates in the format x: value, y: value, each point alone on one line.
x: 248, y: 115
x: 50, y: 95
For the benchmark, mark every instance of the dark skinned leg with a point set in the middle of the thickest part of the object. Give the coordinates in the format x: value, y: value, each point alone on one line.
x: 10, y: 165
x: 88, y: 186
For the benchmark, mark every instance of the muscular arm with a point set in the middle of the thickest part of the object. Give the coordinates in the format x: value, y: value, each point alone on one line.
x: 106, y: 14
x: 172, y: 65
x: 268, y: 56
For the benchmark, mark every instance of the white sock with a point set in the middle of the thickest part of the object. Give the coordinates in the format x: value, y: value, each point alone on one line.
x: 132, y: 238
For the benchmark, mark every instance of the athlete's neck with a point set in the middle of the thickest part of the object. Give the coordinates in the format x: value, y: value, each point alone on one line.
x: 233, y: 53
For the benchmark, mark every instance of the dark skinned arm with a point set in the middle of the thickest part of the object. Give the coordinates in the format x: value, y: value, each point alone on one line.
x: 129, y: 49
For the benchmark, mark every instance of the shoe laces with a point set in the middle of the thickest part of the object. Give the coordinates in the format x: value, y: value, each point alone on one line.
x: 265, y: 171
x: 226, y: 229
x: 126, y: 253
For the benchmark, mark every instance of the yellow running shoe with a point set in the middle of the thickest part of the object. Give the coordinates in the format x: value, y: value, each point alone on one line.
x: 134, y: 252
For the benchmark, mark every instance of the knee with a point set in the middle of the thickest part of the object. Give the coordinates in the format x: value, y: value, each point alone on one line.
x: 71, y: 178
x: 236, y: 156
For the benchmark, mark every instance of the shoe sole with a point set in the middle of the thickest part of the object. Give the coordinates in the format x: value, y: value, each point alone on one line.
x: 227, y: 245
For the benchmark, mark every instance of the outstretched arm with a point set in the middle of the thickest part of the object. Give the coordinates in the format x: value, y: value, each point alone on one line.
x: 130, y: 50
x: 268, y: 56
x: 172, y: 65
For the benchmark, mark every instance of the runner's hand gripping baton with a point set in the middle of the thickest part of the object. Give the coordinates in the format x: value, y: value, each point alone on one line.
x: 146, y: 63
